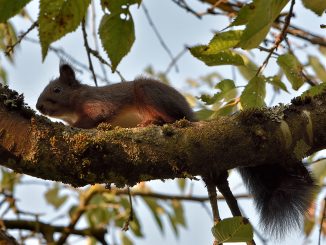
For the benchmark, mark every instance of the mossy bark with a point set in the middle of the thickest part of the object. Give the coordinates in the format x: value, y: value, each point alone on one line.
x: 34, y: 145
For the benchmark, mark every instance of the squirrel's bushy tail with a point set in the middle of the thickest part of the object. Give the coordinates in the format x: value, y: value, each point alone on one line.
x: 282, y: 195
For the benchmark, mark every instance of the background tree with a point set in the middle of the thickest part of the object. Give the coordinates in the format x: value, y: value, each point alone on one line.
x: 271, y: 58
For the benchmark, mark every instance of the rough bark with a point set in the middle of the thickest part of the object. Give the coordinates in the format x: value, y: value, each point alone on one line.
x: 36, y: 146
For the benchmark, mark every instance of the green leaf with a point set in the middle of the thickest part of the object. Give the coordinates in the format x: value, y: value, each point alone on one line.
x: 125, y: 239
x: 174, y: 224
x: 9, y: 8
x: 277, y: 83
x: 225, y: 85
x: 57, y: 18
x: 8, y: 37
x: 118, y: 6
x: 203, y: 114
x: 178, y: 212
x: 99, y: 216
x: 220, y: 42
x: 225, y: 57
x: 318, y: 68
x: 315, y: 90
x: 209, y: 100
x: 135, y: 226
x: 3, y: 75
x: 254, y: 93
x: 210, y: 78
x: 224, y: 40
x: 244, y: 15
x: 182, y: 184
x: 236, y: 229
x: 322, y: 50
x: 52, y: 197
x: 227, y: 88
x: 217, y: 51
x: 72, y: 211
x: 117, y: 36
x: 319, y: 171
x: 292, y: 70
x: 225, y: 110
x: 157, y: 210
x: 317, y: 6
x: 9, y: 180
x: 260, y: 21
x: 91, y: 241
x: 249, y: 69
x: 227, y: 91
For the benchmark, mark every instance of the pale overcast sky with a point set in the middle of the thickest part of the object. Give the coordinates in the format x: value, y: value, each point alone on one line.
x: 178, y: 28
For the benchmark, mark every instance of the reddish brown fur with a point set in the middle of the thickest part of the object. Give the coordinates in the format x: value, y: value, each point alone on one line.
x: 128, y: 104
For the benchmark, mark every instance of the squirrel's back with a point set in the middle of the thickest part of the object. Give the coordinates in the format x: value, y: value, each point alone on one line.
x: 127, y: 104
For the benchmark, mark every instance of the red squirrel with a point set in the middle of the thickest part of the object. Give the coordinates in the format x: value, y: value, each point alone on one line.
x: 282, y: 195
x: 127, y: 104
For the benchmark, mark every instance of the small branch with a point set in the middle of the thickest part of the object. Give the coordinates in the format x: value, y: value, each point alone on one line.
x: 278, y: 39
x: 62, y: 54
x: 268, y: 50
x: 84, y: 200
x: 37, y: 226
x: 102, y: 60
x: 10, y: 49
x: 131, y: 214
x: 88, y: 52
x: 211, y: 10
x: 303, y: 34
x: 303, y: 72
x: 157, y: 33
x: 171, y: 197
x: 184, y: 5
x: 175, y: 59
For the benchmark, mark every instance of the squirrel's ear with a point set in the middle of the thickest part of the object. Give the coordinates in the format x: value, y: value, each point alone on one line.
x: 67, y: 74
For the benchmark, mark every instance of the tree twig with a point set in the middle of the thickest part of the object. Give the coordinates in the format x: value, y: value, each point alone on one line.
x: 102, y: 60
x: 278, y: 39
x: 171, y: 197
x: 38, y: 226
x: 9, y: 49
x: 184, y: 5
x: 77, y: 215
x: 175, y: 59
x: 131, y: 213
x: 157, y: 34
x: 88, y: 52
x: 62, y: 54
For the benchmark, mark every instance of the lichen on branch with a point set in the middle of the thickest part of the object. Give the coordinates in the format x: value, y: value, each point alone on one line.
x: 34, y: 145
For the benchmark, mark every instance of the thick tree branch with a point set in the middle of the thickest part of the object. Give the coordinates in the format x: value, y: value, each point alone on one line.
x: 34, y: 145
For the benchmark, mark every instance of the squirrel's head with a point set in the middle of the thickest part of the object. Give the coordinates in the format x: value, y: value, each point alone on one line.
x: 55, y: 99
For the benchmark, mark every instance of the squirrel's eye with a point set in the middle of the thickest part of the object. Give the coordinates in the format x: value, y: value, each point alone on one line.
x: 57, y: 90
